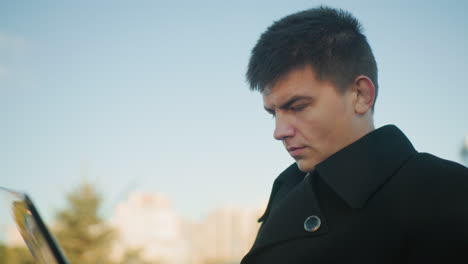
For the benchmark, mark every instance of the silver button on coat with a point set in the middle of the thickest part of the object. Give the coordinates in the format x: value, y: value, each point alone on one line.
x: 312, y: 223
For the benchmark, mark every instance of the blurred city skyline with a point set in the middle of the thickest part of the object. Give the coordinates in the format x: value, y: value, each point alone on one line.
x: 148, y: 223
x: 150, y: 96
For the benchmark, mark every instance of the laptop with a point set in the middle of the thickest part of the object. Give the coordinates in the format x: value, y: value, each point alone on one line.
x: 39, y: 240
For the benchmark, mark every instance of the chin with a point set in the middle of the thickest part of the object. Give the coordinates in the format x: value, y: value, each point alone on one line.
x: 305, y: 166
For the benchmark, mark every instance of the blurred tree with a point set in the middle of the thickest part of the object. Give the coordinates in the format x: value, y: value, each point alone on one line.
x: 81, y: 232
x: 135, y: 256
x: 16, y: 255
x: 3, y: 253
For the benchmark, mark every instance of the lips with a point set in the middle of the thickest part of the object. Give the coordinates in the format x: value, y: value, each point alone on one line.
x: 295, y: 151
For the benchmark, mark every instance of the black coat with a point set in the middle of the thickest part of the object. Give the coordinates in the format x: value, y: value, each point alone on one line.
x: 379, y: 201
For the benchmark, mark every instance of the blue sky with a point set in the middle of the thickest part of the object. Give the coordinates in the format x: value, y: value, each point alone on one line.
x: 151, y: 95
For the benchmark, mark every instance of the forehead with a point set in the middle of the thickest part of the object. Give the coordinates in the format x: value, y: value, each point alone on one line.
x: 298, y: 82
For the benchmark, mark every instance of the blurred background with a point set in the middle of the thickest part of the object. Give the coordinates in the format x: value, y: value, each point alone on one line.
x: 139, y: 114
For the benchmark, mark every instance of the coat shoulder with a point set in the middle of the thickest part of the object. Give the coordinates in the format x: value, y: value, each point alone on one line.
x: 434, y: 181
x: 434, y: 201
x: 429, y: 167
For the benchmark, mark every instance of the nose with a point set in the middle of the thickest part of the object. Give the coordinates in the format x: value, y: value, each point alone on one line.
x: 283, y: 128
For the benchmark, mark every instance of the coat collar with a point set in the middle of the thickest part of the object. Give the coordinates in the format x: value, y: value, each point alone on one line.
x: 371, y: 160
x: 354, y: 173
x: 286, y: 220
x: 357, y: 171
x: 288, y: 178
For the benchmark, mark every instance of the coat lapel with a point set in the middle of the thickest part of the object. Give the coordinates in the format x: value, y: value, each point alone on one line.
x: 286, y: 220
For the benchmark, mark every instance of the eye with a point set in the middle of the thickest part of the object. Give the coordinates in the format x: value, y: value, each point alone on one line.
x: 298, y: 107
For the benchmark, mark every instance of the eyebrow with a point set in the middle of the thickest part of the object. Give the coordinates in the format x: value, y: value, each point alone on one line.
x: 289, y: 102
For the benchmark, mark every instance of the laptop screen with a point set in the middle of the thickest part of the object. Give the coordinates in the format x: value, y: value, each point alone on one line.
x: 34, y: 232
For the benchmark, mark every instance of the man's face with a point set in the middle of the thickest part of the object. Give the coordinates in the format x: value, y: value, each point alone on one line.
x: 313, y: 119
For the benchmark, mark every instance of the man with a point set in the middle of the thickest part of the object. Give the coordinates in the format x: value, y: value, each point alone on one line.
x: 356, y: 194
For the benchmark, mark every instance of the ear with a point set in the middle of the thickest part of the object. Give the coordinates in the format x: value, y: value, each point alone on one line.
x: 365, y: 94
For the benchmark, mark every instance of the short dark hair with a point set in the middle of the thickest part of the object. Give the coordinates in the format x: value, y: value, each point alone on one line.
x: 330, y: 40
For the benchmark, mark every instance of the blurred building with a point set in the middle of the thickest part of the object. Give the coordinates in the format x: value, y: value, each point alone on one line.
x: 148, y: 222
x: 226, y: 234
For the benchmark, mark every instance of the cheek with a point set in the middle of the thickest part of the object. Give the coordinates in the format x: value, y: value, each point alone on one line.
x: 316, y: 127
x: 325, y: 124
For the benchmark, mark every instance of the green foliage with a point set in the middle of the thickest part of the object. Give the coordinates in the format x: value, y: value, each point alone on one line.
x: 134, y: 256
x: 81, y: 232
x: 3, y: 249
x: 15, y: 255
